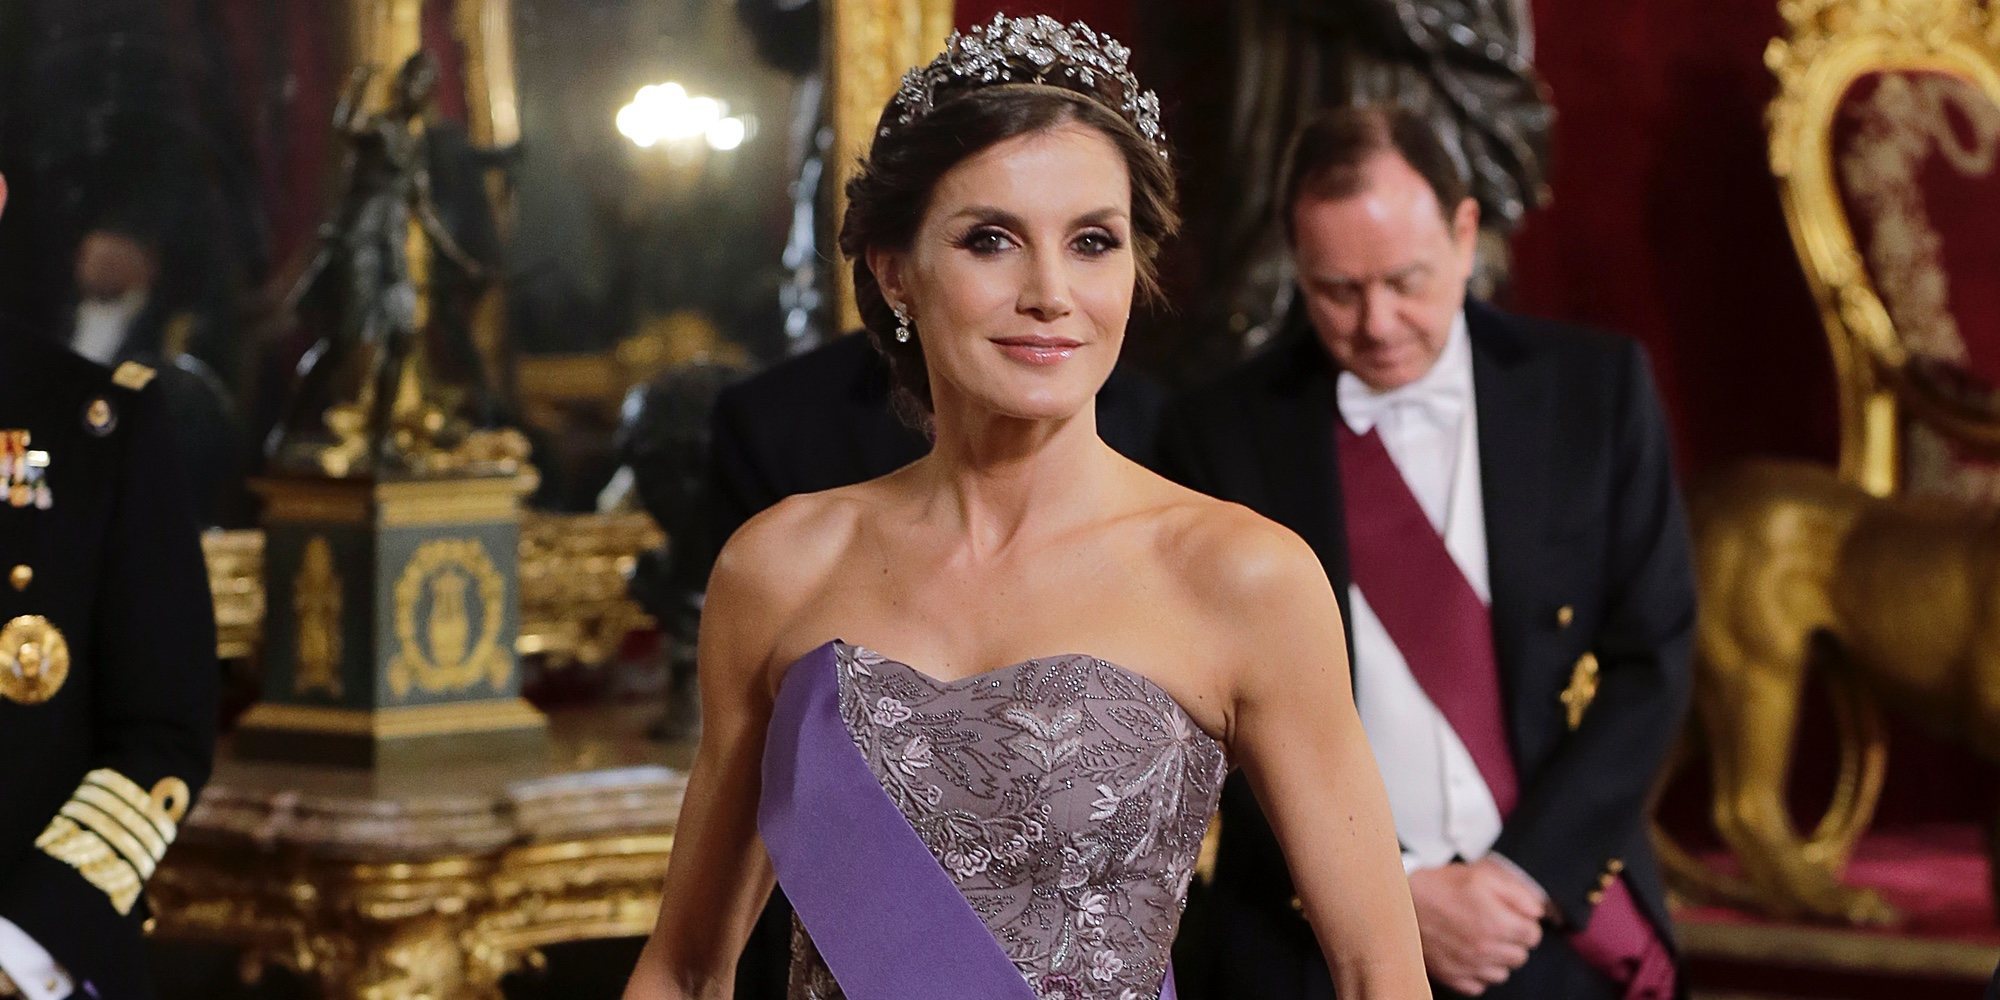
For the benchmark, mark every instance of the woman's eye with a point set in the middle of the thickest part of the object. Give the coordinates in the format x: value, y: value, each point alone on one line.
x: 1096, y: 244
x: 986, y: 241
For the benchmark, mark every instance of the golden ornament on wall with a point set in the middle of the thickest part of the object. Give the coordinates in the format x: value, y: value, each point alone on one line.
x: 316, y: 598
x: 454, y: 643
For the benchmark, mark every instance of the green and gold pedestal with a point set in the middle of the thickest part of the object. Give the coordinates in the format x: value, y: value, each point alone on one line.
x: 391, y: 613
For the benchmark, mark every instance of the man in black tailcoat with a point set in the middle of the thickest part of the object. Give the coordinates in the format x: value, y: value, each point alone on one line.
x: 1493, y: 499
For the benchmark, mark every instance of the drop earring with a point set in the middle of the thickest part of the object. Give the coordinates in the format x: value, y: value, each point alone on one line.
x: 902, y: 325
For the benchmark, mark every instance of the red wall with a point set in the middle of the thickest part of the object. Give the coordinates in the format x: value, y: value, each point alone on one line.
x: 1666, y: 224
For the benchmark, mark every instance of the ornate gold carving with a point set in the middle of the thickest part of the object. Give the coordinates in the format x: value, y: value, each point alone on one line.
x: 445, y: 656
x: 574, y: 604
x: 1900, y: 125
x: 1833, y: 43
x: 1796, y: 569
x: 1838, y: 950
x: 1903, y: 124
x: 575, y: 572
x: 34, y: 660
x: 236, y: 586
x: 1582, y: 689
x: 422, y: 502
x: 316, y: 601
x: 874, y: 43
x: 374, y: 894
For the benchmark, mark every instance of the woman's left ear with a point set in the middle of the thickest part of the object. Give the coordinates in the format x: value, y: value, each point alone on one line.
x: 887, y: 266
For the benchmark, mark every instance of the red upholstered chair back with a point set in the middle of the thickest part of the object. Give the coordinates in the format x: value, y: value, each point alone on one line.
x: 1917, y: 165
x: 1885, y: 140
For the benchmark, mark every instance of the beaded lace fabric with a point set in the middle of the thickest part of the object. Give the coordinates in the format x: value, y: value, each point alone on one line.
x: 1066, y: 797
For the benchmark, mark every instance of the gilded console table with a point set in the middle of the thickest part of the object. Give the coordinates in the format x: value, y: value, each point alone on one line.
x: 428, y: 885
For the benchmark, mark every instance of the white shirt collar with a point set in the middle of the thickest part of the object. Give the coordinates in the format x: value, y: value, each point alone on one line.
x: 1441, y: 394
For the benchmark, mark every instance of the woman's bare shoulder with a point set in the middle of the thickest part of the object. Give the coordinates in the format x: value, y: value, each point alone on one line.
x: 781, y: 556
x: 1238, y: 564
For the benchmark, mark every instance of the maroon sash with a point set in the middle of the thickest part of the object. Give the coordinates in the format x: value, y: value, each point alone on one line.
x: 1445, y: 633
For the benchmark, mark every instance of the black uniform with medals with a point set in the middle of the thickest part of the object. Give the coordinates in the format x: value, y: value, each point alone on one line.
x: 108, y: 675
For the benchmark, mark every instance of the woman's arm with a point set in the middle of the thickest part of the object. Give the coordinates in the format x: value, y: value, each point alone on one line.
x: 720, y: 876
x: 1295, y: 732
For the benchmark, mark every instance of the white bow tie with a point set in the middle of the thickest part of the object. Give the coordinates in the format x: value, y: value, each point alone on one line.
x: 1441, y: 401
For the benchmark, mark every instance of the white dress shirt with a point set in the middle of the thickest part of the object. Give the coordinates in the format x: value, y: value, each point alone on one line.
x: 31, y: 967
x: 102, y: 324
x: 1441, y: 805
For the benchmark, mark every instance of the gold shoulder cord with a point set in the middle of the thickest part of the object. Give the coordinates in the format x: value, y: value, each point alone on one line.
x: 114, y: 833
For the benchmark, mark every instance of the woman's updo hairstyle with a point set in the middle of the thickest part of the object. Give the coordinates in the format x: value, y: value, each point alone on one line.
x: 1012, y: 77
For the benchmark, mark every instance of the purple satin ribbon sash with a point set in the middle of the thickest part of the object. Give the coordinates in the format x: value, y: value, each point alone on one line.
x: 886, y: 918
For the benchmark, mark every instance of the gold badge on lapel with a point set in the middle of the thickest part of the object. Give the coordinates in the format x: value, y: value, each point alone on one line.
x: 99, y: 417
x: 1582, y: 689
x: 34, y: 660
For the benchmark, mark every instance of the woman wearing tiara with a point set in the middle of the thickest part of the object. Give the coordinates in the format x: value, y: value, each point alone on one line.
x: 974, y: 715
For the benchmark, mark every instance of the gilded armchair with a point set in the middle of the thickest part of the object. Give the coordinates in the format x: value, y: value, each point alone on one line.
x: 1885, y: 142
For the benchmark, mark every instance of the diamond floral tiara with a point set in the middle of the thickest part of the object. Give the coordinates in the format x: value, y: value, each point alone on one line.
x: 1029, y: 50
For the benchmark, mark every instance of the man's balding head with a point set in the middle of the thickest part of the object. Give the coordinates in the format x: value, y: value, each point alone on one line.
x: 1382, y: 233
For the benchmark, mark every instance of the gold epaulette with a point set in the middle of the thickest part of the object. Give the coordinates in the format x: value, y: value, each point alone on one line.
x: 114, y: 833
x: 132, y: 375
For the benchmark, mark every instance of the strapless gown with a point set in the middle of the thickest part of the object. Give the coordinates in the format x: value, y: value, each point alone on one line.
x: 1027, y: 833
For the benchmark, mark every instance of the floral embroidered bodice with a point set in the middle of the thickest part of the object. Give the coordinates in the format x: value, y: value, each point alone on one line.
x: 1065, y: 796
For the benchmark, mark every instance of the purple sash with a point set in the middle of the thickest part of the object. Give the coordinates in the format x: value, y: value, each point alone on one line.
x: 885, y: 917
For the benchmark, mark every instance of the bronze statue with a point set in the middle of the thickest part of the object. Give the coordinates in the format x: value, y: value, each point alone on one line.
x: 362, y: 293
x: 1898, y: 599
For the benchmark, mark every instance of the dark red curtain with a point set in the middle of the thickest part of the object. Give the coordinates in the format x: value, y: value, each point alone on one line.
x: 1666, y: 224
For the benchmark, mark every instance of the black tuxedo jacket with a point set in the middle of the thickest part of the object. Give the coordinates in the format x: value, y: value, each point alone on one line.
x: 1588, y: 553
x: 816, y: 422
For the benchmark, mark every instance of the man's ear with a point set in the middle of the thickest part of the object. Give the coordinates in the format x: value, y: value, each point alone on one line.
x: 1465, y: 231
x: 1465, y: 220
x: 3, y: 193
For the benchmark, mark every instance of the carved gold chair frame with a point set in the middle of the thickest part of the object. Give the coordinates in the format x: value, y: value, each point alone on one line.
x: 1832, y: 44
